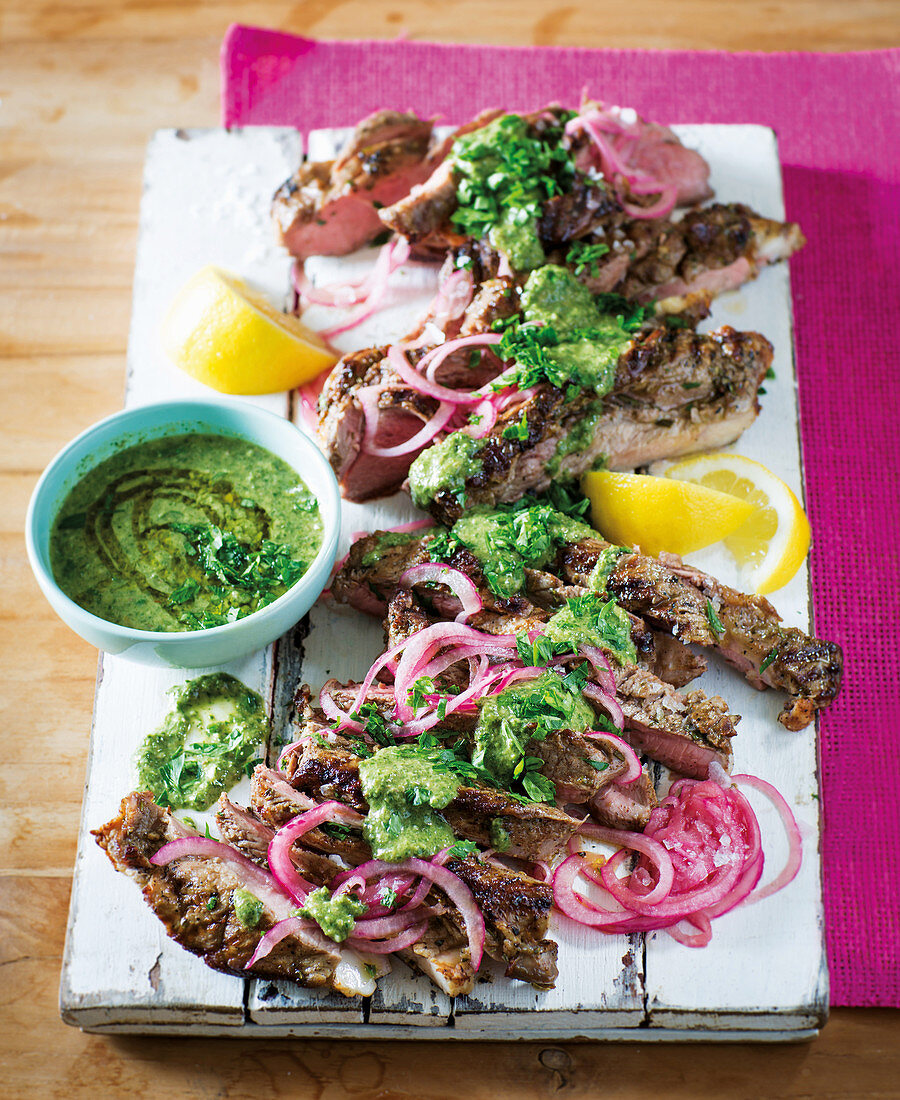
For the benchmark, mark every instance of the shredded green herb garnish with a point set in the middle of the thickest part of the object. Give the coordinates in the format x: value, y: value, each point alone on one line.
x: 241, y: 578
x: 584, y: 256
x: 714, y: 620
x: 462, y: 849
x: 769, y: 658
x: 506, y: 174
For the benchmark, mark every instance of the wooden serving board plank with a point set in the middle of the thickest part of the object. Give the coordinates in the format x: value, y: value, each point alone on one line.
x: 206, y: 200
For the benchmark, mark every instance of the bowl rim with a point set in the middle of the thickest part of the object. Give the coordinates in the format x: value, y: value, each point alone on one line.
x: 181, y: 412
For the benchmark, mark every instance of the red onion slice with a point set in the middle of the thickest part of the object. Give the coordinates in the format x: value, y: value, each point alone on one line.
x: 397, y: 358
x: 700, y: 856
x: 430, y: 362
x: 453, y: 297
x: 600, y: 663
x: 459, y: 584
x: 288, y: 927
x: 279, y: 853
x: 609, y: 704
x: 368, y: 399
x: 795, y: 841
x: 617, y: 745
x: 453, y: 886
x: 263, y: 885
x: 387, y: 947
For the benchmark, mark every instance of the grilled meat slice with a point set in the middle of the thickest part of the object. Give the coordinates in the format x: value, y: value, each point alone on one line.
x: 625, y: 805
x: 673, y: 597
x: 516, y: 908
x: 423, y: 216
x: 194, y: 898
x: 536, y: 831
x: 342, y: 423
x: 673, y: 662
x: 330, y: 208
x: 401, y: 410
x: 647, y: 415
x: 275, y: 801
x: 243, y: 830
x: 644, y: 586
x: 712, y: 250
x: 684, y: 732
x: 589, y: 207
x: 809, y: 669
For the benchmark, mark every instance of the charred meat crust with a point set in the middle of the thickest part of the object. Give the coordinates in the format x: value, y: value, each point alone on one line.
x: 649, y: 414
x: 769, y: 654
x: 673, y: 597
x: 192, y: 896
x: 516, y: 907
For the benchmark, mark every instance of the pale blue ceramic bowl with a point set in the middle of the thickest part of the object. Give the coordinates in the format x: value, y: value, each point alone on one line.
x: 193, y: 648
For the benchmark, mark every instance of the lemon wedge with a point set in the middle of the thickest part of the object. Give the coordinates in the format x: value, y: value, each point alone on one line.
x: 659, y: 513
x: 230, y: 337
x: 772, y: 543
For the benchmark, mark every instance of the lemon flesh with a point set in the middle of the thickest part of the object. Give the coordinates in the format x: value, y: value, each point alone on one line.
x: 231, y: 338
x: 771, y: 545
x: 660, y: 514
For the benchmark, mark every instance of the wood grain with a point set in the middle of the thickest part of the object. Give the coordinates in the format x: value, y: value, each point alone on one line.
x: 83, y: 84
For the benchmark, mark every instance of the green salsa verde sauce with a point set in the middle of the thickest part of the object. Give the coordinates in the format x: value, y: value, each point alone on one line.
x: 404, y: 791
x: 508, y: 542
x: 590, y: 340
x: 525, y: 711
x: 247, y: 907
x: 504, y: 174
x: 184, y: 532
x: 589, y: 620
x: 336, y: 916
x: 204, y: 744
x: 446, y: 465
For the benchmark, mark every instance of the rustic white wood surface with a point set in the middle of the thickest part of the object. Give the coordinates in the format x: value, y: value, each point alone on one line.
x: 206, y: 201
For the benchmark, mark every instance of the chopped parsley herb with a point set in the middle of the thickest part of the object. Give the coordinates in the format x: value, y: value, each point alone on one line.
x: 242, y: 579
x: 629, y: 315
x: 376, y: 725
x: 462, y: 849
x: 511, y: 538
x: 506, y: 174
x: 388, y: 897
x: 593, y: 621
x: 213, y: 902
x: 584, y: 256
x: 714, y: 620
x: 599, y: 765
x: 518, y: 429
x: 769, y: 658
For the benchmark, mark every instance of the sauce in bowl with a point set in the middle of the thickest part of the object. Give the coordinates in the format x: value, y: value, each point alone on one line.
x: 184, y: 533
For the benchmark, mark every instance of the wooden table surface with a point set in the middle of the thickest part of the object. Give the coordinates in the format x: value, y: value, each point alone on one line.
x: 83, y: 84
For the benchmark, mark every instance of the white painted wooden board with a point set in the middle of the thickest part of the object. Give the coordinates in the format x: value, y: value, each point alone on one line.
x: 206, y: 201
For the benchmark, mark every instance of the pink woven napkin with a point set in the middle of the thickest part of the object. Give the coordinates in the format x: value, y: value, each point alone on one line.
x: 835, y: 116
